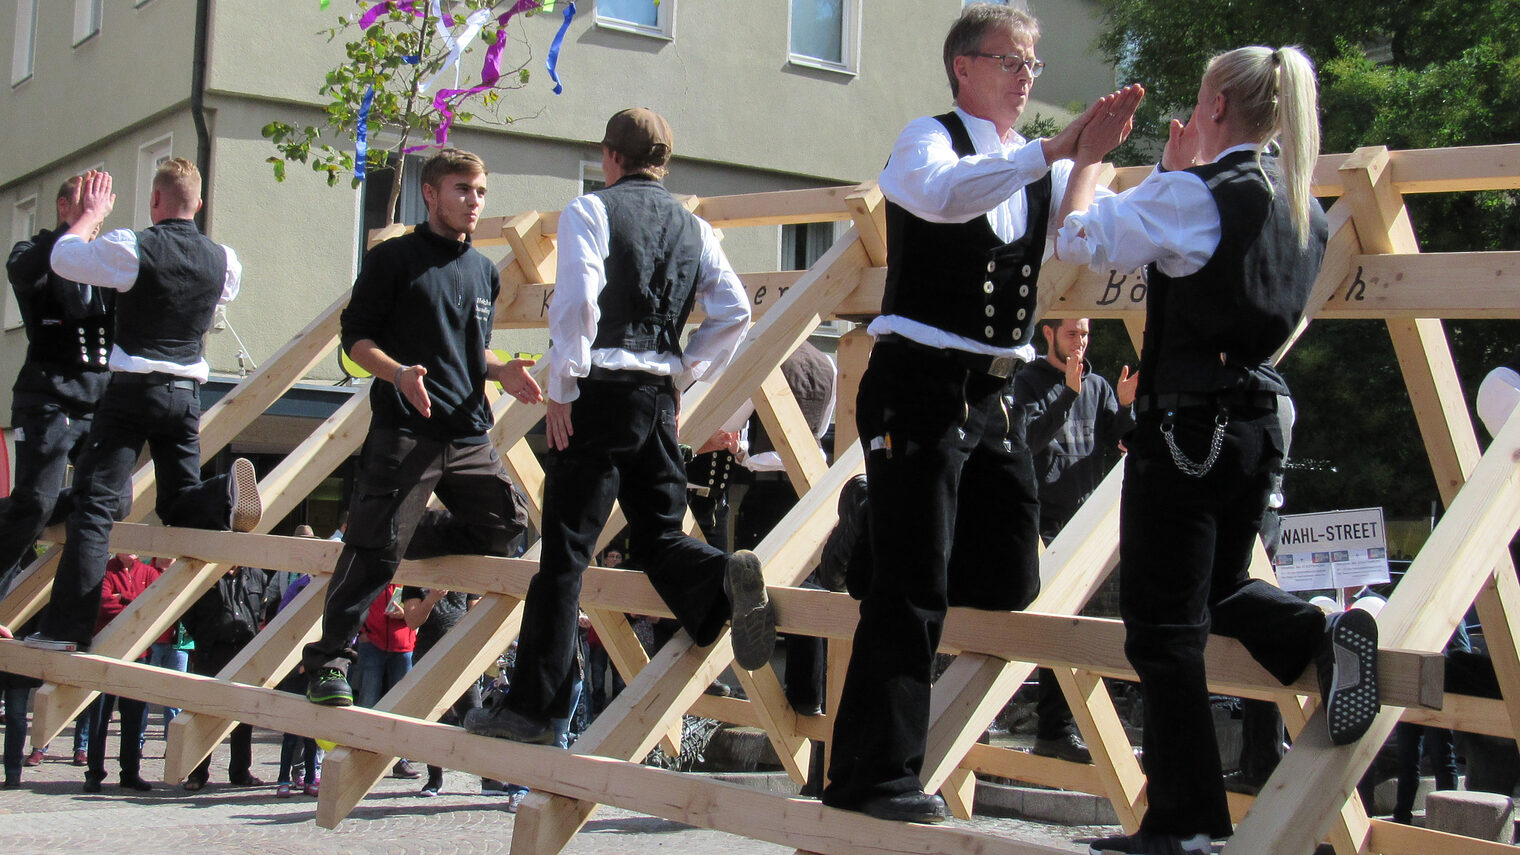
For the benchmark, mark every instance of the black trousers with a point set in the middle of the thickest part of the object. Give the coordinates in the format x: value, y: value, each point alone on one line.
x: 134, y: 720
x: 954, y: 516
x: 50, y: 439
x: 769, y: 500
x: 624, y: 448
x: 1184, y: 551
x: 164, y: 413
x: 388, y: 518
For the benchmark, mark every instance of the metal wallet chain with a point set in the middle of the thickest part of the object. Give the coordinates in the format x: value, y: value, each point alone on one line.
x: 1184, y: 465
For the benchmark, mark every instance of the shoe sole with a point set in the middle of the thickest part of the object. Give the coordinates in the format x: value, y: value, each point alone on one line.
x: 754, y: 618
x: 247, y: 507
x: 1353, y: 700
x: 489, y: 728
x: 53, y: 644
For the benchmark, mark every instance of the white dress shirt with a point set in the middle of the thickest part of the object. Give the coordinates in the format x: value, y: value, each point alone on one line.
x: 574, y: 313
x: 1498, y: 396
x: 110, y: 261
x: 1170, y: 218
x: 930, y: 181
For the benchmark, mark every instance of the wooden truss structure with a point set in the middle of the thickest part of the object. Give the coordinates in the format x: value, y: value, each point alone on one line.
x: 1373, y: 269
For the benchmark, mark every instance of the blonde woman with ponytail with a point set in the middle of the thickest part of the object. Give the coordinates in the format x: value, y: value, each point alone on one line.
x: 1232, y: 241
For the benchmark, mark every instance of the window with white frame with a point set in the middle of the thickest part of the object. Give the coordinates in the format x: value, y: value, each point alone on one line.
x: 592, y: 177
x: 23, y: 226
x: 24, y: 56
x: 149, y: 158
x: 87, y: 17
x: 646, y: 17
x: 825, y: 34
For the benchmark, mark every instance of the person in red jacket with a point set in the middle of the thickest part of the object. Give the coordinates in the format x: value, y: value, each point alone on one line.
x: 385, y: 651
x: 125, y: 579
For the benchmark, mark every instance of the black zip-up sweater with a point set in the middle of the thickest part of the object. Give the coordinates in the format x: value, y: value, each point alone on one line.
x: 1069, y: 435
x: 428, y: 300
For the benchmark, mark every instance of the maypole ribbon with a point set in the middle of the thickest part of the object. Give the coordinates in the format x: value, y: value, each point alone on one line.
x: 488, y: 75
x: 559, y: 39
x: 457, y: 46
x: 361, y: 139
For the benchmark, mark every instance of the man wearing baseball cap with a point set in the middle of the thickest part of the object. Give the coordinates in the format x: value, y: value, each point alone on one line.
x: 632, y: 262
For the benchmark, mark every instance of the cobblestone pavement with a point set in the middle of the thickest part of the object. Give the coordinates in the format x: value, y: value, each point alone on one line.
x: 51, y: 815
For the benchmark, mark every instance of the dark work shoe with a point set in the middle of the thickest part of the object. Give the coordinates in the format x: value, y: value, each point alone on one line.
x: 135, y: 782
x: 39, y: 641
x: 329, y: 687
x: 1239, y: 782
x: 243, y: 490
x: 1070, y: 748
x: 91, y: 785
x: 754, y: 618
x: 502, y: 723
x: 1146, y: 843
x: 404, y: 769
x: 916, y: 806
x: 1348, y: 678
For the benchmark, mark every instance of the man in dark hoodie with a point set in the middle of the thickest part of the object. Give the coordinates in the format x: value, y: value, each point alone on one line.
x: 1074, y: 420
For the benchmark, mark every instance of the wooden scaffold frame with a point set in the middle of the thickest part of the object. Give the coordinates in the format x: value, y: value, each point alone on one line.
x: 1372, y: 269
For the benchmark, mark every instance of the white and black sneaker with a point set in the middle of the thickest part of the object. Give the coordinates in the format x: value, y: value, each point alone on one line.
x: 1348, y: 678
x: 753, y: 616
x: 38, y: 641
x: 243, y: 490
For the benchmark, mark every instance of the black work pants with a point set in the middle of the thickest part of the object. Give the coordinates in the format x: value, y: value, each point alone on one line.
x: 954, y: 516
x: 208, y: 660
x: 624, y: 448
x: 388, y: 518
x: 164, y: 413
x: 134, y: 720
x: 1185, y: 548
x: 49, y: 439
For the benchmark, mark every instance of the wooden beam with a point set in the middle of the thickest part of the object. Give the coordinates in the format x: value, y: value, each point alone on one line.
x: 535, y: 252
x: 868, y: 208
x: 854, y: 353
x: 790, y: 433
x: 784, y: 207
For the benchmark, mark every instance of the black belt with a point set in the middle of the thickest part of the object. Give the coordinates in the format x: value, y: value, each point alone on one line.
x: 640, y: 378
x: 1169, y: 401
x: 1001, y: 367
x: 154, y: 378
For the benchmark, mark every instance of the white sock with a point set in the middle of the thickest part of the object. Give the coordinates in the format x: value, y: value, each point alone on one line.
x: 1197, y: 843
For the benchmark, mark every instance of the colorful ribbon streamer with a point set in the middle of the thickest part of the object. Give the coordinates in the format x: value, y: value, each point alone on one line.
x: 488, y: 75
x: 361, y: 139
x: 559, y: 39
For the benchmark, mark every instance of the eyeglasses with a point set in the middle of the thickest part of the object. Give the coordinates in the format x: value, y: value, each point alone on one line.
x: 1012, y: 62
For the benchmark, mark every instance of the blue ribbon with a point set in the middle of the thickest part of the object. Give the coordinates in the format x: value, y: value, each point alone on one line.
x: 361, y: 140
x: 559, y: 39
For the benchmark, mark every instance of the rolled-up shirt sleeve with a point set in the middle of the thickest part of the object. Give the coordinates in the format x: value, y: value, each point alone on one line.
x: 929, y: 180
x: 726, y: 306
x: 580, y: 276
x: 1170, y: 218
x: 109, y: 261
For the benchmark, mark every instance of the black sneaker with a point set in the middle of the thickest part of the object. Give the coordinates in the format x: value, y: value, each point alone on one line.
x: 754, y: 618
x: 1146, y: 843
x: 503, y: 723
x: 329, y: 687
x: 1070, y: 748
x: 135, y: 782
x: 916, y: 806
x: 38, y: 641
x: 1348, y: 678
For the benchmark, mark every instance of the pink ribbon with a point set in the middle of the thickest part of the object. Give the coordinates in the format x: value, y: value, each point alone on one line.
x: 488, y: 75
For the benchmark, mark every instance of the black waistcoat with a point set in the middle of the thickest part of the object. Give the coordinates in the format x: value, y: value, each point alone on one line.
x: 654, y: 252
x: 1214, y: 330
x: 165, y: 315
x: 961, y: 277
x: 68, y: 336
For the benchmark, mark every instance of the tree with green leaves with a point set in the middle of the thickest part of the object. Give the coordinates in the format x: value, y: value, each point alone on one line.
x: 381, y: 92
x: 1399, y: 73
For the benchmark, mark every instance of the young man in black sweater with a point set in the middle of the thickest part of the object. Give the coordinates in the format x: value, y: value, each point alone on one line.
x: 420, y: 322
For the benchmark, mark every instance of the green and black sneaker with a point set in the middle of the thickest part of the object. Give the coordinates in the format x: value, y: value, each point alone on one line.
x: 329, y: 687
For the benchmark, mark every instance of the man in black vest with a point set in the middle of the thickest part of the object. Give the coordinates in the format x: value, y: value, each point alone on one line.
x: 420, y: 321
x: 632, y: 262
x: 171, y: 279
x: 953, y: 509
x: 68, y: 330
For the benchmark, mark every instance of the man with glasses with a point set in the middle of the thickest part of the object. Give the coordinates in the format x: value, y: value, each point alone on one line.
x: 953, y: 506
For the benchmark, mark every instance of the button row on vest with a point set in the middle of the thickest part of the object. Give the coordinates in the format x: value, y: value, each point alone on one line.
x: 991, y: 266
x: 989, y: 310
x: 1023, y: 290
x: 1027, y: 270
x: 987, y: 287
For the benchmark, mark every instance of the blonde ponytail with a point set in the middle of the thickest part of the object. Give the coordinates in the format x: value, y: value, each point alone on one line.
x: 1275, y: 95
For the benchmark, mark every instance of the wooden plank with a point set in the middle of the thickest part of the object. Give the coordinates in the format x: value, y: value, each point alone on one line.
x: 868, y: 208
x: 1393, y: 838
x: 694, y: 800
x: 1438, y: 284
x: 1499, y: 611
x: 853, y: 354
x: 1119, y: 771
x: 534, y: 252
x: 1034, y: 769
x: 784, y: 207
